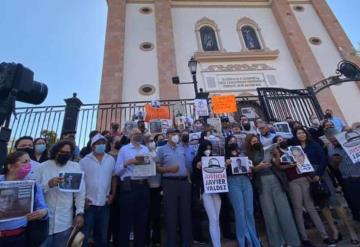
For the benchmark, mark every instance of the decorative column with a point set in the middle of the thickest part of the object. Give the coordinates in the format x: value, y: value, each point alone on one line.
x: 300, y: 50
x: 112, y: 74
x: 165, y: 49
x: 336, y: 32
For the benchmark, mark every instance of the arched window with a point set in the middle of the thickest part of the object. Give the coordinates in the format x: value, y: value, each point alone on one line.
x: 208, y: 39
x: 250, y: 38
x: 208, y: 35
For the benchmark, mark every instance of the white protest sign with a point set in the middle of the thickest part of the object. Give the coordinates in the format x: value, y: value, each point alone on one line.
x: 240, y: 165
x: 146, y: 166
x: 214, y: 174
x: 302, y: 162
x: 201, y: 107
x: 350, y: 141
x: 283, y: 129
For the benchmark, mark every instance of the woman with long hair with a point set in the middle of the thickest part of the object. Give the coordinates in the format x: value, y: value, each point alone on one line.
x: 40, y: 150
x: 270, y: 184
x: 241, y: 198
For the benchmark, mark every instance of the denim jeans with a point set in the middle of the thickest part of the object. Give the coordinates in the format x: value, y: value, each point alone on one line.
x: 96, y: 221
x: 212, y: 205
x: 58, y: 239
x: 241, y: 198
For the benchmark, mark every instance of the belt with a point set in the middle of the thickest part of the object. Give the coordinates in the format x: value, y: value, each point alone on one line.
x: 139, y: 182
x: 176, y: 178
x: 12, y: 233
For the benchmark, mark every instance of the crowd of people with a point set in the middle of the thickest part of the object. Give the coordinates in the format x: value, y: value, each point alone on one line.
x: 111, y: 205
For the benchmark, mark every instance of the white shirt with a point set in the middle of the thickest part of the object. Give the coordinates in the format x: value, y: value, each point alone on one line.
x: 126, y: 153
x: 97, y: 177
x: 60, y: 203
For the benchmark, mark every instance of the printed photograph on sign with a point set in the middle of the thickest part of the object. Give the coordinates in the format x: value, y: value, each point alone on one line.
x: 16, y: 199
x: 283, y: 129
x: 165, y: 124
x: 240, y: 165
x: 194, y: 138
x: 155, y: 127
x: 302, y: 162
x: 201, y: 107
x: 129, y: 126
x: 146, y: 166
x: 350, y: 141
x: 72, y: 181
x: 214, y: 174
x: 287, y: 158
x: 216, y: 123
x: 249, y: 112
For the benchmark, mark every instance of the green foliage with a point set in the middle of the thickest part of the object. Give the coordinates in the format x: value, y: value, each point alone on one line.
x: 50, y: 136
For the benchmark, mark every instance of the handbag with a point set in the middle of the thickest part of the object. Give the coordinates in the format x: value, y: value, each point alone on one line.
x: 320, y: 192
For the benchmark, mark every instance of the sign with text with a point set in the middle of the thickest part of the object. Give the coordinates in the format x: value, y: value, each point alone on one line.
x: 350, y: 141
x: 248, y: 81
x: 201, y: 107
x: 223, y: 104
x: 214, y: 174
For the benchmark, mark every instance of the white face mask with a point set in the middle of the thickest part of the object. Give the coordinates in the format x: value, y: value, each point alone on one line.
x: 207, y: 152
x: 316, y: 122
x: 175, y: 139
x: 152, y: 145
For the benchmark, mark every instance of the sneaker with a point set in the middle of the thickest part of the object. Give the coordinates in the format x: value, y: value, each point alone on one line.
x: 307, y: 243
x: 329, y: 242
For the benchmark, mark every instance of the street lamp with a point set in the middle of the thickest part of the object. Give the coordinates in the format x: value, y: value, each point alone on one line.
x: 192, y: 64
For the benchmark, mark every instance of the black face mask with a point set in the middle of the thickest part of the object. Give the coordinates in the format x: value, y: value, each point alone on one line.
x: 233, y: 146
x: 283, y: 145
x: 62, y: 159
x: 185, y: 138
x: 328, y: 115
x: 29, y: 151
x: 247, y: 126
x: 257, y: 146
x: 117, y: 145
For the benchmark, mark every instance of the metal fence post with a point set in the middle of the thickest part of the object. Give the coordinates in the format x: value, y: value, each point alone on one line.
x: 72, y: 109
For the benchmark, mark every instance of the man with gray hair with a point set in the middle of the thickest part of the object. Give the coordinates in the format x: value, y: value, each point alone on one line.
x: 134, y: 194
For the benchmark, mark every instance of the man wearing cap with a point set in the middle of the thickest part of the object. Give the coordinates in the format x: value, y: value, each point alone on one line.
x: 134, y: 195
x: 177, y: 190
x: 99, y: 177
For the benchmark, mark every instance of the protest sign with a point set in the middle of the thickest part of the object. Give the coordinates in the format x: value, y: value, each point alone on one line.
x: 146, y: 166
x: 249, y: 112
x: 129, y: 126
x: 161, y: 112
x: 216, y: 123
x: 16, y: 199
x: 214, y: 174
x: 179, y: 109
x: 268, y: 150
x: 240, y: 165
x: 194, y: 138
x: 218, y: 145
x: 283, y: 129
x: 165, y: 124
x: 223, y: 104
x: 72, y: 181
x: 155, y: 127
x: 350, y: 141
x: 302, y: 162
x: 183, y: 122
x: 201, y: 107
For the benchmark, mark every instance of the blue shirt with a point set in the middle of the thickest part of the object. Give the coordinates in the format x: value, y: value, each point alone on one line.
x: 338, y: 123
x: 39, y: 203
x: 170, y: 156
x: 190, y: 153
x: 126, y: 153
x: 347, y: 168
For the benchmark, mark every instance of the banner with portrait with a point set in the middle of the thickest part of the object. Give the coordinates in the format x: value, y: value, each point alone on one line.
x: 16, y: 199
x: 302, y: 162
x: 72, y: 181
x: 146, y: 166
x: 214, y: 174
x: 350, y: 141
x: 240, y: 165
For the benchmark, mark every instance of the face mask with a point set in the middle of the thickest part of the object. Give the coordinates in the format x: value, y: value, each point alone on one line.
x: 246, y: 126
x: 23, y: 171
x: 185, y: 138
x: 316, y: 122
x: 137, y: 138
x: 152, y: 145
x: 207, y: 152
x: 233, y: 146
x: 257, y: 146
x: 117, y: 145
x: 283, y: 145
x: 62, y: 159
x: 328, y: 115
x: 40, y: 148
x: 100, y: 149
x: 175, y: 138
x: 29, y: 151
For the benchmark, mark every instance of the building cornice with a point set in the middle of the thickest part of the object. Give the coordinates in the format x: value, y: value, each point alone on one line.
x: 236, y: 56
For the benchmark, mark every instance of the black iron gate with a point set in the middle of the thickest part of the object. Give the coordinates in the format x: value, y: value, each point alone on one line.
x: 280, y: 103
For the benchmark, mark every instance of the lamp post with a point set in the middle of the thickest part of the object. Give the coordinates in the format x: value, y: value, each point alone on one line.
x: 192, y: 64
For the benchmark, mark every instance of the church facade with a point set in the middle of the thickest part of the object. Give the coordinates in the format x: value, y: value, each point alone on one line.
x: 239, y: 45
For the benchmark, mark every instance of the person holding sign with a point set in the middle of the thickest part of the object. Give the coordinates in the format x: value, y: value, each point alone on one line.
x: 61, y: 203
x: 134, y: 195
x: 177, y: 189
x: 270, y: 184
x: 99, y: 177
x: 241, y: 198
x: 212, y: 202
x: 13, y: 232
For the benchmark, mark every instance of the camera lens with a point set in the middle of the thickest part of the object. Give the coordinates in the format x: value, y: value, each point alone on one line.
x: 36, y: 96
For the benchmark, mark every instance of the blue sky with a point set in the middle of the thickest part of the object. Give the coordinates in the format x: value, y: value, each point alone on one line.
x: 62, y: 41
